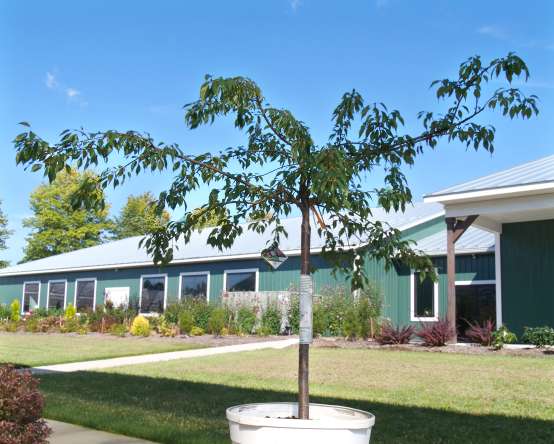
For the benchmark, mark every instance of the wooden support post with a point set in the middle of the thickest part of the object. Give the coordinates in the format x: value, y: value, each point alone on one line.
x: 451, y: 275
x: 454, y: 230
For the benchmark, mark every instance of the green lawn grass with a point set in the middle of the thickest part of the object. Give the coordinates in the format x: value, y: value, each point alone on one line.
x: 43, y: 349
x: 416, y: 397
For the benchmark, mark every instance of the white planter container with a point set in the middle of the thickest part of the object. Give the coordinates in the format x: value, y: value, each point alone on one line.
x: 273, y: 424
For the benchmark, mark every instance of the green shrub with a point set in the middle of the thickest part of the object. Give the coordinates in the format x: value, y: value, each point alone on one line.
x: 71, y: 325
x: 370, y: 307
x: 5, y: 312
x: 40, y: 312
x: 319, y: 319
x: 246, y: 320
x: 503, y: 336
x: 118, y: 330
x: 140, y: 326
x: 263, y: 331
x: 216, y: 323
x: 271, y: 320
x: 15, y: 311
x: 173, y: 312
x: 32, y: 324
x: 11, y: 326
x: 201, y: 312
x: 186, y: 322
x: 70, y: 312
x: 166, y: 328
x: 538, y: 336
x: 351, y: 324
x: 294, y: 314
x: 334, y: 304
x: 197, y: 331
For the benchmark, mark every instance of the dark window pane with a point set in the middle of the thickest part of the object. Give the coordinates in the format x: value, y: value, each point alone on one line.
x: 56, y: 295
x: 241, y: 281
x: 424, y: 297
x: 30, y: 296
x: 85, y: 295
x: 153, y: 290
x: 194, y: 286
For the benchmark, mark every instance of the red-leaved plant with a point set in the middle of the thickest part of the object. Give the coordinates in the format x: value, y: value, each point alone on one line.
x: 21, y: 408
x: 435, y: 334
x: 391, y: 335
x: 481, y: 334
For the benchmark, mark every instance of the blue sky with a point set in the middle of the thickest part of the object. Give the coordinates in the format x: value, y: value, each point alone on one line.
x: 133, y: 64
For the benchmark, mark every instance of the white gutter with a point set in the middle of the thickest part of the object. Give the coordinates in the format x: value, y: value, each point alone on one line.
x: 498, y: 192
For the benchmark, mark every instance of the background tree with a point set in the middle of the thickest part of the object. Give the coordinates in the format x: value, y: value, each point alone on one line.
x: 4, y: 234
x: 59, y: 224
x: 202, y: 218
x: 281, y: 168
x: 138, y: 217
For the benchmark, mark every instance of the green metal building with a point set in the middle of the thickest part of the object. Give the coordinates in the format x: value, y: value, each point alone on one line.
x: 123, y: 273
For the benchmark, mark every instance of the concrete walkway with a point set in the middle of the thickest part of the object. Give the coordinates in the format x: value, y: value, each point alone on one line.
x: 160, y: 357
x: 64, y: 433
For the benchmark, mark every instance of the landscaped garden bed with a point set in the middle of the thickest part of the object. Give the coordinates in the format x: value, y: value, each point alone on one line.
x: 462, y: 348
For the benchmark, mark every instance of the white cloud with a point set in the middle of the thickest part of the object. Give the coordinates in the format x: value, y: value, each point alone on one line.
x: 295, y: 4
x: 51, y: 81
x: 72, y: 92
x: 492, y: 31
x: 73, y: 95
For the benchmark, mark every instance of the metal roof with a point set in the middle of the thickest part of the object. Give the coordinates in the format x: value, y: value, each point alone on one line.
x: 126, y: 253
x: 535, y: 172
x: 474, y: 240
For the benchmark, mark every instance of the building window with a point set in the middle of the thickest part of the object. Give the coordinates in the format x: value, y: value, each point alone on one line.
x: 241, y: 280
x: 152, y: 293
x: 195, y: 286
x: 425, y: 298
x: 31, y: 295
x: 85, y: 294
x: 56, y: 295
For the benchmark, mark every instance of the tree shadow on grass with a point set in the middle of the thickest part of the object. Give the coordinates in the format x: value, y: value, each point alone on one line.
x: 179, y: 412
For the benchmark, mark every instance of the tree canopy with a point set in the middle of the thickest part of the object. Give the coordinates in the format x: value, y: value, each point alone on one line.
x: 138, y: 217
x: 281, y: 168
x: 5, y: 233
x: 60, y: 224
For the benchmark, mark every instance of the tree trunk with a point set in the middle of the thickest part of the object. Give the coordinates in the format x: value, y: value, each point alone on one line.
x: 305, y: 318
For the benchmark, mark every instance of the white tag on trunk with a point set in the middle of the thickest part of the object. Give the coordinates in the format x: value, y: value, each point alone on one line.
x: 306, y: 295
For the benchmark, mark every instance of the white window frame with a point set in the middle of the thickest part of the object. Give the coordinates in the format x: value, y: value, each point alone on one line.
x: 195, y: 273
x: 146, y: 276
x: 75, y: 292
x: 476, y: 282
x: 242, y: 270
x: 56, y: 281
x: 415, y: 318
x: 23, y: 295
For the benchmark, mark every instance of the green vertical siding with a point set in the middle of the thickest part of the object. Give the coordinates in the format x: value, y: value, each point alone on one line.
x: 528, y: 274
x: 393, y: 284
x: 425, y: 229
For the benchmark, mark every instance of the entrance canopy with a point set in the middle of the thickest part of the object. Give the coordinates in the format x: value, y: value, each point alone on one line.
x: 524, y: 193
x: 520, y: 194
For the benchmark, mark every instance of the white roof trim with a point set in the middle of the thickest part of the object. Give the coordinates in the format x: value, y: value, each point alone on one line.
x: 151, y: 263
x: 499, y: 192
